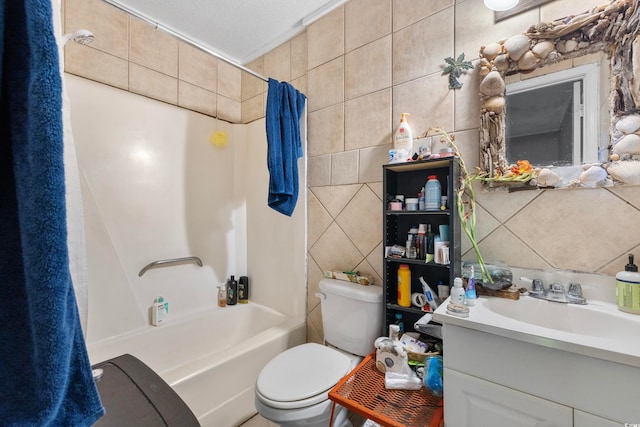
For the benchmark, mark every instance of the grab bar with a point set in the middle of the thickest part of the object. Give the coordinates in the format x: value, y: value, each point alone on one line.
x: 167, y: 262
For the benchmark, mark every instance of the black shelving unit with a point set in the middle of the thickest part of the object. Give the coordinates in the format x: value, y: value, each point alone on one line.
x: 408, y: 179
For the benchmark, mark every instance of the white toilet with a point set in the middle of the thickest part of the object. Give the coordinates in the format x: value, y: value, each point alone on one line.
x: 293, y: 388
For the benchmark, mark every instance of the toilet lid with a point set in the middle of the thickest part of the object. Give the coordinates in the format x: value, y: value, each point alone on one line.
x: 302, y: 372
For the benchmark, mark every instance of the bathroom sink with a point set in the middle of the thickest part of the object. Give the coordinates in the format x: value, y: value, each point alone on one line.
x: 597, y: 329
x: 595, y: 320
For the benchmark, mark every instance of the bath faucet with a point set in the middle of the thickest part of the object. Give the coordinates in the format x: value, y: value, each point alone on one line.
x: 556, y: 293
x: 168, y: 262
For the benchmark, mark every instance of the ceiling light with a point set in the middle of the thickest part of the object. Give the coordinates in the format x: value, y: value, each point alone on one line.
x: 500, y: 5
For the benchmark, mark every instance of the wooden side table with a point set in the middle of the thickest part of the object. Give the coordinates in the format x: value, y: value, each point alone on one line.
x: 363, y: 391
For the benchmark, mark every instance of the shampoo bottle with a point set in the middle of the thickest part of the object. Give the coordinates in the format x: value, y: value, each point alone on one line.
x: 403, y: 138
x: 628, y: 288
x: 232, y: 291
x: 243, y: 290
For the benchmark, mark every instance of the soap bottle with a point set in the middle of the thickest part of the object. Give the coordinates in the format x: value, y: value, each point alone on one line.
x: 404, y: 286
x: 232, y: 291
x: 403, y: 138
x: 457, y: 292
x: 628, y: 288
x: 433, y: 192
x: 159, y: 311
x: 222, y: 295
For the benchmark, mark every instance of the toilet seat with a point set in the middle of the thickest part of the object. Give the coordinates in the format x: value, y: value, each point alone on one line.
x: 301, y: 376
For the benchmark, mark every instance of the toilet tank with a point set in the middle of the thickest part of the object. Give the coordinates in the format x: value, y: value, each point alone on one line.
x: 351, y: 315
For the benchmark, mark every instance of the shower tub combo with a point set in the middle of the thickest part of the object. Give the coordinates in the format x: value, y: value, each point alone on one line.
x: 211, y: 359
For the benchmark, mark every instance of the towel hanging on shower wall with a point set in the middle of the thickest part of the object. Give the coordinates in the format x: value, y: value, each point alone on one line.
x: 44, y: 368
x: 285, y: 105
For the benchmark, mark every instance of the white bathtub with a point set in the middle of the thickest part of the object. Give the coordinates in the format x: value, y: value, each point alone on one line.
x: 211, y: 360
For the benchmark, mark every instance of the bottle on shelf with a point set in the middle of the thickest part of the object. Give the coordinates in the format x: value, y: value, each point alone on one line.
x: 404, y: 286
x: 421, y: 200
x: 433, y: 192
x: 422, y: 253
x: 430, y: 245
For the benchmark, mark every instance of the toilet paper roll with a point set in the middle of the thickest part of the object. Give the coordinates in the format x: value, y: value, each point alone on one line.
x: 418, y: 299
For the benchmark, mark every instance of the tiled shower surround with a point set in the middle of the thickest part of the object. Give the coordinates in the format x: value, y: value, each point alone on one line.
x: 361, y: 66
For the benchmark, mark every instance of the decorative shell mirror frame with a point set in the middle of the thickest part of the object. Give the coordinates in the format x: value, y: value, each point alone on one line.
x: 611, y: 28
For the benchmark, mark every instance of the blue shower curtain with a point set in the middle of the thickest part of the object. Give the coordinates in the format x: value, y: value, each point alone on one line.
x: 45, y: 374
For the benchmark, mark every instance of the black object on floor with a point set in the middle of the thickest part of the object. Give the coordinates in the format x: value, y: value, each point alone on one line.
x: 134, y: 395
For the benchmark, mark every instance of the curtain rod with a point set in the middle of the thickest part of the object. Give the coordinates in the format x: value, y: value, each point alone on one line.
x: 184, y: 39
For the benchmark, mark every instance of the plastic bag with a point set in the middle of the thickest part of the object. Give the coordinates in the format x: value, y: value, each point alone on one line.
x: 433, y: 377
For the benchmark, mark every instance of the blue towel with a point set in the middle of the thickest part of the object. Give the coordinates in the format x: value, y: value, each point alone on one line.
x: 45, y: 373
x: 284, y: 146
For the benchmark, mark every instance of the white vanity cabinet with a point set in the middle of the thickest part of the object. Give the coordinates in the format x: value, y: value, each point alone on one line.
x: 496, y: 380
x: 585, y: 419
x: 480, y: 403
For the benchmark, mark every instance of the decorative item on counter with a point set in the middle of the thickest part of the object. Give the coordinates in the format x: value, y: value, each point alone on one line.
x: 159, y: 312
x: 404, y: 286
x: 628, y: 288
x: 355, y: 276
x: 458, y: 310
x: 243, y: 290
x: 222, y: 295
x: 232, y: 291
x: 455, y: 68
x: 500, y: 274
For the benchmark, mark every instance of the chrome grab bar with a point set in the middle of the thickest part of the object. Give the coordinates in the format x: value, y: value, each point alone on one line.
x: 168, y: 262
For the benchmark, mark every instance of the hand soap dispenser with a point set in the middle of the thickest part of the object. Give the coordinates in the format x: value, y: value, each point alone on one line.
x: 628, y: 288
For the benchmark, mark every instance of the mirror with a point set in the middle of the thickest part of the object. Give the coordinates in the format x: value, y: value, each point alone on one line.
x: 601, y: 131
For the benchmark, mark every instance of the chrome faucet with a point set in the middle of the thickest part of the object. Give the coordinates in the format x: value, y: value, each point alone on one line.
x: 557, y: 293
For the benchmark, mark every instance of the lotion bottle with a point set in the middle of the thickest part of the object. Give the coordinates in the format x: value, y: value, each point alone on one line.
x: 403, y: 138
x: 159, y: 312
x: 457, y: 292
x: 628, y: 288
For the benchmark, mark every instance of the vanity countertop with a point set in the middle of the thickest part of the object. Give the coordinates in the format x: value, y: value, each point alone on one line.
x: 597, y: 329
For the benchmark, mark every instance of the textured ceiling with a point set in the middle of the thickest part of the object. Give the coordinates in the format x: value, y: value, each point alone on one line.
x: 240, y: 30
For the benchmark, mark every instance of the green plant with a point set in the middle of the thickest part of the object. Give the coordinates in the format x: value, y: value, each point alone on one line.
x: 454, y: 69
x: 466, y: 200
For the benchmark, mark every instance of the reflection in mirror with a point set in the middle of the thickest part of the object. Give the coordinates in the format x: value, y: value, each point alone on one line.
x: 552, y: 120
x: 609, y: 157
